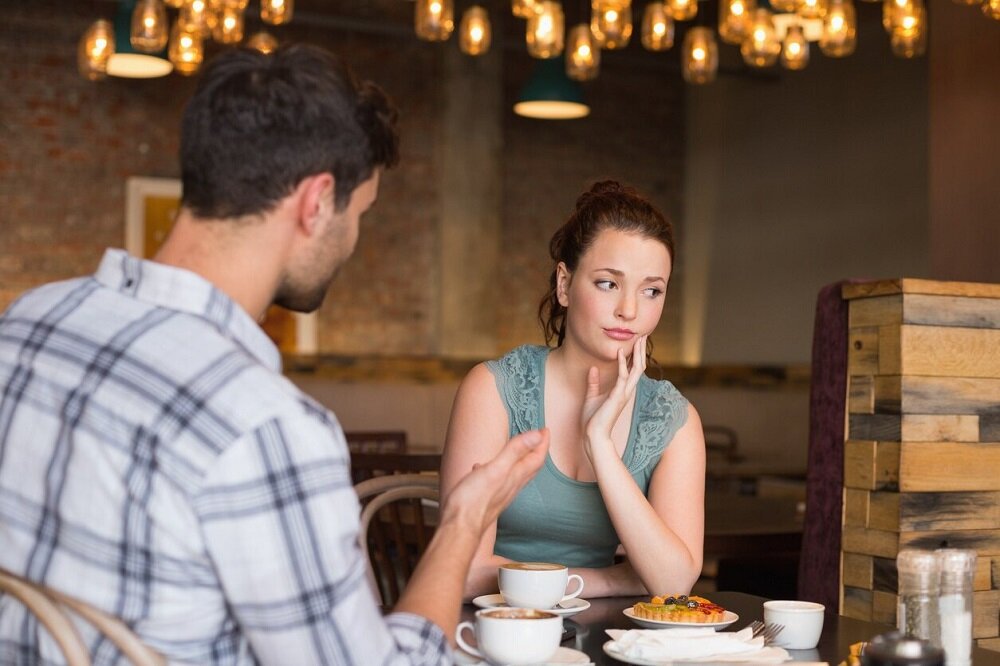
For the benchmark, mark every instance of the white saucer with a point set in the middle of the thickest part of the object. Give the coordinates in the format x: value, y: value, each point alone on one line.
x: 566, y: 608
x: 563, y: 655
x: 727, y: 619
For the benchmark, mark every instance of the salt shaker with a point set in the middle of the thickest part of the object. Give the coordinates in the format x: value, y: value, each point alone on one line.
x: 919, y: 578
x: 955, y: 604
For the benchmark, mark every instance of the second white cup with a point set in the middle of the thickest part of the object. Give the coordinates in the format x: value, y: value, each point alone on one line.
x: 536, y: 584
x: 802, y: 623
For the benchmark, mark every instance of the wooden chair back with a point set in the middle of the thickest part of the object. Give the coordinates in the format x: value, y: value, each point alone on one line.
x: 366, y: 466
x: 51, y: 606
x: 376, y: 441
x: 396, y: 526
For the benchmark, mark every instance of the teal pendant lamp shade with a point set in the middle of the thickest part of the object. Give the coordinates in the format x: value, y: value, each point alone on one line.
x: 126, y: 61
x: 550, y: 94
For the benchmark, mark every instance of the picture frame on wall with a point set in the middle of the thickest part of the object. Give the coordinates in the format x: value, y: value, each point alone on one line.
x: 151, y: 205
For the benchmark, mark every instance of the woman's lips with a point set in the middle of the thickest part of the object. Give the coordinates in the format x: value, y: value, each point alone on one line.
x: 619, y: 333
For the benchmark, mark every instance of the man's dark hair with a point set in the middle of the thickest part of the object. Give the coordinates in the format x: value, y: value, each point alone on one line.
x: 258, y: 124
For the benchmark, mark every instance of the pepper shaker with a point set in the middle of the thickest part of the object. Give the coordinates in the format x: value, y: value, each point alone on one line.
x: 919, y: 581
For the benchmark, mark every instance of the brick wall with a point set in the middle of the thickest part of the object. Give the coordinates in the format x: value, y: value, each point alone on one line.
x: 67, y: 145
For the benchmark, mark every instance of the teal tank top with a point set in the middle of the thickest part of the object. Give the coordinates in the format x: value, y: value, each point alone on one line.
x: 556, y: 518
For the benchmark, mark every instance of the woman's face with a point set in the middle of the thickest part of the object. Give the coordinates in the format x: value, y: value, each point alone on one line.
x: 616, y: 293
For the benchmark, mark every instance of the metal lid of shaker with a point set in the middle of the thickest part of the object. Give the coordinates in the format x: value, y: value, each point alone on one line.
x: 895, y: 649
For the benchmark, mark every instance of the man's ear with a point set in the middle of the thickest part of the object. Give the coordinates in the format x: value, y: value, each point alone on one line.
x: 316, y: 195
x: 563, y: 278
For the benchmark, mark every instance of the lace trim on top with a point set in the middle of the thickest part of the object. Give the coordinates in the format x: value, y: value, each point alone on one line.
x: 661, y: 413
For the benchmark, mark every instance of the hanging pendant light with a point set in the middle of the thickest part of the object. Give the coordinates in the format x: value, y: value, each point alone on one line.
x: 549, y: 94
x: 149, y: 29
x: 433, y: 20
x: 657, y: 27
x: 583, y: 57
x: 784, y: 6
x: 523, y: 8
x: 238, y: 4
x: 909, y: 33
x: 840, y: 27
x: 263, y: 42
x: 544, y: 32
x: 735, y: 17
x: 276, y: 12
x: 991, y: 8
x: 96, y: 46
x: 187, y: 49
x: 682, y: 10
x: 795, y: 48
x: 127, y: 61
x: 474, y: 33
x: 194, y: 17
x: 812, y: 9
x: 700, y: 56
x: 228, y: 28
x: 611, y: 22
x: 761, y: 47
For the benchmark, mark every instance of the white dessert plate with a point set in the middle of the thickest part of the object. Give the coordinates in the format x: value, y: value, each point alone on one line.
x: 565, y: 608
x: 728, y: 618
x: 563, y: 655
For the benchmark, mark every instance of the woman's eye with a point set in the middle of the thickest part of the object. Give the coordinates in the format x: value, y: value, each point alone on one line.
x: 605, y: 285
x: 652, y: 292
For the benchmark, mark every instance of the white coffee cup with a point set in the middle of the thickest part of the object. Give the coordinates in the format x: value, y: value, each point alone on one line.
x: 514, y: 636
x: 802, y: 622
x: 536, y: 584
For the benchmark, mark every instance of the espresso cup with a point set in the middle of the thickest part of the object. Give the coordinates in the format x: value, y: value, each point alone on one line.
x: 536, y: 584
x: 802, y: 622
x: 514, y: 636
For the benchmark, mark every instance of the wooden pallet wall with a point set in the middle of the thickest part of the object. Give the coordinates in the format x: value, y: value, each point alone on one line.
x: 922, y: 456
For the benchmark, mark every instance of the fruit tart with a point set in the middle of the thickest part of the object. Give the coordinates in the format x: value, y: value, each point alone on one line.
x: 679, y: 608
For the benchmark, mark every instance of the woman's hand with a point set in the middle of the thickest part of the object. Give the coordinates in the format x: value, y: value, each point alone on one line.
x: 600, y: 412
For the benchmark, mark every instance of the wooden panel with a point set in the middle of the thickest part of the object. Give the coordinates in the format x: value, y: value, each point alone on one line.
x: 949, y: 311
x: 918, y: 286
x: 888, y: 394
x: 941, y: 351
x: 880, y: 311
x: 890, y: 351
x: 857, y: 603
x: 925, y: 512
x: 861, y: 395
x: 883, y: 511
x: 858, y: 571
x: 856, y: 507
x: 884, y: 607
x: 984, y: 542
x: 882, y: 427
x: 871, y: 465
x: 885, y: 576
x: 989, y: 428
x: 942, y: 395
x: 862, y: 351
x: 985, y: 614
x: 983, y: 576
x: 947, y: 466
x: 989, y: 644
x: 995, y: 565
x: 939, y: 428
x: 870, y: 542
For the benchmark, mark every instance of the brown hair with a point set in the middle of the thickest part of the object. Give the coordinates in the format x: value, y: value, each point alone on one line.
x: 607, y: 204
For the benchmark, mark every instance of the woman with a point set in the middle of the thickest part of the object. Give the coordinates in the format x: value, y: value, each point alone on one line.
x: 626, y: 460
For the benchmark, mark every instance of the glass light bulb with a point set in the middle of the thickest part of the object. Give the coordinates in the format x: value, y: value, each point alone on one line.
x: 186, y: 50
x: 149, y: 29
x: 611, y: 23
x: 474, y: 31
x: 433, y: 20
x: 583, y: 57
x: 229, y: 28
x: 735, y: 18
x: 682, y: 10
x: 795, y: 49
x: 276, y: 12
x: 263, y: 42
x: 194, y: 16
x: 700, y: 56
x: 657, y: 27
x: 544, y: 31
x: 523, y: 8
x: 761, y: 48
x: 991, y: 8
x: 94, y: 50
x: 909, y: 37
x: 839, y: 29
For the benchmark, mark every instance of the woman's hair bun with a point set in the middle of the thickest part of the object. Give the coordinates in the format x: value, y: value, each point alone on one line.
x: 603, y: 187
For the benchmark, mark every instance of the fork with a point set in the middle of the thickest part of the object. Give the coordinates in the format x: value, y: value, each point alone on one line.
x: 767, y: 631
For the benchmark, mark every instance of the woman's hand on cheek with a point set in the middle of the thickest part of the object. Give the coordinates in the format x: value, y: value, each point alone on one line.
x: 600, y: 412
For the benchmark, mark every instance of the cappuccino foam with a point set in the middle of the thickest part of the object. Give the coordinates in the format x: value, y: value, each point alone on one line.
x: 519, y: 614
x: 532, y: 566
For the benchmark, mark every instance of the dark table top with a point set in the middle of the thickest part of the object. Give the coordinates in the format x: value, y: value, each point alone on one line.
x: 839, y: 632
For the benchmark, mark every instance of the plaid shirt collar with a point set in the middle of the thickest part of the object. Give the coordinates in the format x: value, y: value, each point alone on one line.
x: 185, y: 291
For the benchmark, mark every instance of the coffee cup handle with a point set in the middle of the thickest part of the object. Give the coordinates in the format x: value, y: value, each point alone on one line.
x: 461, y: 642
x: 579, y: 588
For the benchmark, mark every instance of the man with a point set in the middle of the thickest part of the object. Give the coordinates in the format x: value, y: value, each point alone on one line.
x: 153, y: 460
